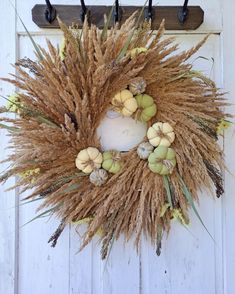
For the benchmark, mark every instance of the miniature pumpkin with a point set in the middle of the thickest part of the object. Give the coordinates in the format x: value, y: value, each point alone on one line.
x: 147, y: 107
x: 124, y: 102
x: 162, y: 161
x: 136, y: 51
x: 144, y: 150
x: 98, y: 177
x: 89, y: 159
x: 161, y: 134
x: 111, y: 161
x: 137, y: 86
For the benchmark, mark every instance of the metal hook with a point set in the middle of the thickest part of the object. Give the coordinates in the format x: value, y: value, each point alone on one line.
x: 116, y: 12
x: 148, y: 12
x: 84, y: 10
x: 50, y: 12
x: 183, y: 12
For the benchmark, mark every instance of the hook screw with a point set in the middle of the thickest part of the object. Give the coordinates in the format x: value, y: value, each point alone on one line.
x: 183, y: 12
x: 50, y: 12
x: 148, y: 12
x: 116, y: 12
x: 84, y: 11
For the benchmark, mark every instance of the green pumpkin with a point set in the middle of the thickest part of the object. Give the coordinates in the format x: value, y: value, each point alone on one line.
x: 111, y: 161
x: 162, y: 161
x: 147, y: 106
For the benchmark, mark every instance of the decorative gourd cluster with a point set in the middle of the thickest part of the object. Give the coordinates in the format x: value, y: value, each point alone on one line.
x: 134, y: 102
x: 92, y: 161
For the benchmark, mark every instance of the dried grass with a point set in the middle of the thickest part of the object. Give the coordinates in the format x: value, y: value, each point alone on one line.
x: 64, y: 103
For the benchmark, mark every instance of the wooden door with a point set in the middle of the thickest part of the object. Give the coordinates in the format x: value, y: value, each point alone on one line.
x: 190, y: 260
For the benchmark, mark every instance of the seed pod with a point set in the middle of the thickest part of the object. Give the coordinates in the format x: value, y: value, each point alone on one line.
x: 98, y: 177
x: 137, y: 86
x: 144, y: 150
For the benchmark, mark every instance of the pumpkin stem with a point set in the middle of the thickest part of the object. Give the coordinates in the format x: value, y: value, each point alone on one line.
x: 168, y: 164
x: 163, y: 135
x: 117, y: 105
x: 116, y: 156
x: 89, y: 163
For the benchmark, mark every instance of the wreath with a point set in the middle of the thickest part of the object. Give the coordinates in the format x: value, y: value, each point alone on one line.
x: 64, y: 97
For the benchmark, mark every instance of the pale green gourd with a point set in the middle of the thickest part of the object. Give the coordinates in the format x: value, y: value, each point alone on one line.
x: 146, y: 106
x: 111, y: 161
x: 162, y: 161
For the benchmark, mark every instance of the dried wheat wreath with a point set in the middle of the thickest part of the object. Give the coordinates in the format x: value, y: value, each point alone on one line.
x: 63, y: 99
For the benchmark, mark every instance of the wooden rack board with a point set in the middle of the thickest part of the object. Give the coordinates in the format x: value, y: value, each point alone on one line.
x: 72, y: 14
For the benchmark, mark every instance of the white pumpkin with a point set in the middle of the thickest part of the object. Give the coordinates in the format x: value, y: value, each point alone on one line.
x: 125, y: 103
x: 89, y: 159
x: 161, y: 134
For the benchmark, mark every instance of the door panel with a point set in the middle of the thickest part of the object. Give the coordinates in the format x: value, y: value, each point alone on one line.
x: 180, y: 268
x: 190, y: 261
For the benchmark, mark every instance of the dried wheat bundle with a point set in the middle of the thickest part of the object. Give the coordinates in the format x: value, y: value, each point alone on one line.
x: 63, y: 99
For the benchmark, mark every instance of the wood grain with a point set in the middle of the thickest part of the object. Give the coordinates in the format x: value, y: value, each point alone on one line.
x: 71, y: 14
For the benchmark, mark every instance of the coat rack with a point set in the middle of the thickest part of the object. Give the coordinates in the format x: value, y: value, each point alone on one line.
x: 176, y: 17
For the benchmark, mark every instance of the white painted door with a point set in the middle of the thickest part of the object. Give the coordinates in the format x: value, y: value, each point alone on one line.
x: 190, y: 261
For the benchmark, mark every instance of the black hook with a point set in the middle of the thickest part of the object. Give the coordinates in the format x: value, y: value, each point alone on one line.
x: 50, y: 12
x: 148, y: 12
x: 84, y: 10
x: 183, y: 12
x: 116, y: 12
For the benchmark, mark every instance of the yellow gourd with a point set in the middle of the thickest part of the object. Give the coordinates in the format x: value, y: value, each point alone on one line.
x: 161, y: 134
x: 124, y: 102
x: 89, y: 159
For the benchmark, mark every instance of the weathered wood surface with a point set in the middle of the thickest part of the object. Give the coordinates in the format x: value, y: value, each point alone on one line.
x: 71, y: 14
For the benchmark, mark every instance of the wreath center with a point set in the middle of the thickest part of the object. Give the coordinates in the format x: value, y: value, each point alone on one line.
x: 120, y: 133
